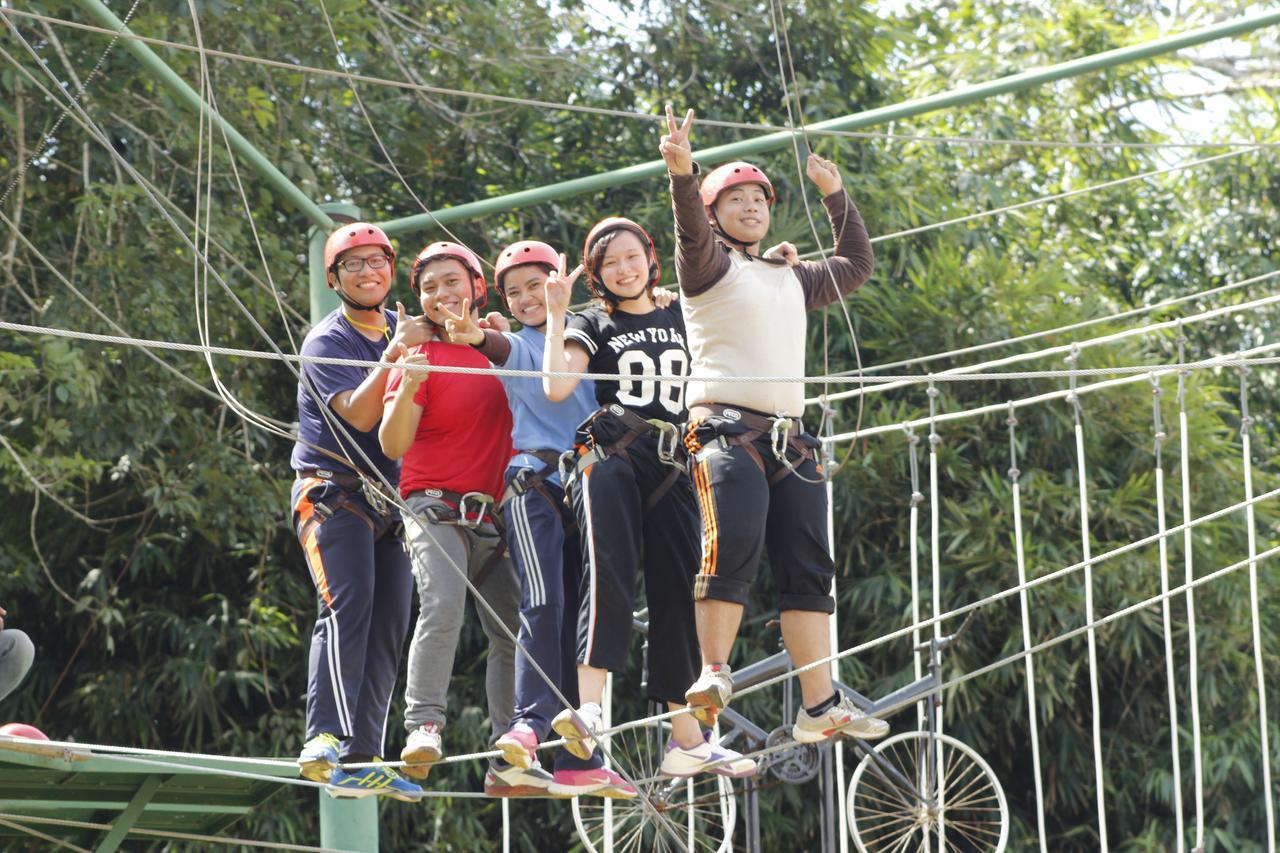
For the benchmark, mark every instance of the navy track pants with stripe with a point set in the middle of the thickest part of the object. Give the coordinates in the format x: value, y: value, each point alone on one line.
x: 364, y: 586
x: 547, y: 561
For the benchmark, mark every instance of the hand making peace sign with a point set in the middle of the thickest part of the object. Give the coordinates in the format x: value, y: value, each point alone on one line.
x: 675, y: 146
x: 559, y: 287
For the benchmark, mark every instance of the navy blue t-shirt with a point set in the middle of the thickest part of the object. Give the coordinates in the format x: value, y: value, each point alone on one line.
x: 334, y: 337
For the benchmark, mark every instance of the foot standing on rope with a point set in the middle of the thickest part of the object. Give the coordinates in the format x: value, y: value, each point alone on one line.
x: 631, y: 497
x: 541, y: 533
x: 350, y: 538
x: 755, y: 475
x: 454, y: 433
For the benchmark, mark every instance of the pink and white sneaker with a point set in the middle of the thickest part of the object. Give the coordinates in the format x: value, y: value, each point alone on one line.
x: 599, y: 781
x: 519, y: 746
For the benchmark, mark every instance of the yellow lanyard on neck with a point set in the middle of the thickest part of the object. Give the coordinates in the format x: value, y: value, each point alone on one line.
x: 385, y: 328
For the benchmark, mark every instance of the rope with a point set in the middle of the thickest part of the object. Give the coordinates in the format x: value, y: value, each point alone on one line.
x: 377, y: 137
x: 82, y: 91
x: 1071, y: 327
x: 1067, y: 349
x: 155, y: 833
x: 629, y: 114
x: 1132, y: 372
x: 1246, y: 427
x: 1188, y: 554
x: 57, y: 842
x: 1169, y: 660
x: 1085, y: 546
x: 1132, y: 376
x: 1020, y: 554
x: 921, y: 229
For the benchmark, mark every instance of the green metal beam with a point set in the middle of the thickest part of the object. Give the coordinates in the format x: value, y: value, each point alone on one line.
x: 121, y: 825
x: 856, y: 121
x: 188, y: 96
x: 323, y: 298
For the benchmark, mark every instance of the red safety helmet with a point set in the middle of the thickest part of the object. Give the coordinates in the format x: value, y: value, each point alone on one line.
x: 608, y: 226
x: 352, y: 236
x: 519, y: 254
x: 732, y: 174
x: 470, y: 261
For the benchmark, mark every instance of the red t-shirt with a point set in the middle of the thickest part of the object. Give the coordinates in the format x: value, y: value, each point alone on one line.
x: 463, y: 441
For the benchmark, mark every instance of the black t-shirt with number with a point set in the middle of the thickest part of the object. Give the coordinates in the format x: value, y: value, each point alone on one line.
x: 636, y: 345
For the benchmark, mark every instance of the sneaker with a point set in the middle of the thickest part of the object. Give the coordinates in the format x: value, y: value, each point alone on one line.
x: 370, y: 781
x: 600, y: 781
x: 421, y: 750
x: 844, y: 717
x: 507, y: 780
x: 580, y: 729
x: 319, y: 757
x: 710, y: 693
x: 519, y: 746
x: 706, y: 756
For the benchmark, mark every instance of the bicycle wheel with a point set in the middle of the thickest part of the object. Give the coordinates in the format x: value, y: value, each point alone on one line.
x: 965, y: 811
x: 696, y: 814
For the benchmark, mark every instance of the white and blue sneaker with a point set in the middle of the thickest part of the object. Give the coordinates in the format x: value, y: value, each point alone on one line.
x: 319, y: 757
x: 371, y: 781
x: 708, y: 757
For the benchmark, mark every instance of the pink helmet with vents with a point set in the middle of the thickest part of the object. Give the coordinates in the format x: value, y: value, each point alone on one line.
x: 469, y: 260
x: 352, y: 236
x: 523, y: 252
x: 607, y: 226
x: 732, y: 174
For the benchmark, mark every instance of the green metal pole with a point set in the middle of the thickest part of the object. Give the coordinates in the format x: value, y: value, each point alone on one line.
x: 166, y: 75
x: 323, y: 299
x: 906, y: 109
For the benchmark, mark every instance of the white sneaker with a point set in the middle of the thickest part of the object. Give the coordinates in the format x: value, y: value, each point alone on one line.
x: 580, y: 729
x: 706, y: 756
x: 710, y: 694
x: 843, y: 718
x: 422, y: 749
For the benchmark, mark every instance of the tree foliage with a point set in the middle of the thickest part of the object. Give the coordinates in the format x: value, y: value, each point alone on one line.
x: 149, y: 550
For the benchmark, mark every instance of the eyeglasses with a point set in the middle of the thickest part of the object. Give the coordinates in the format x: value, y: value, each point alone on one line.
x: 374, y: 262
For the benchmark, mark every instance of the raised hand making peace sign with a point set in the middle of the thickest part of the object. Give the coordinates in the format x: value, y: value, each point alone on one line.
x: 675, y: 147
x: 559, y: 286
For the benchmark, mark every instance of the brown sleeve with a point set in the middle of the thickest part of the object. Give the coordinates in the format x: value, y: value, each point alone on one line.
x: 496, y: 347
x: 700, y: 261
x: 852, y: 263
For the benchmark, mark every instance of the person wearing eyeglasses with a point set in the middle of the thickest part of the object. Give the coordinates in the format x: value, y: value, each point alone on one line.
x: 348, y: 527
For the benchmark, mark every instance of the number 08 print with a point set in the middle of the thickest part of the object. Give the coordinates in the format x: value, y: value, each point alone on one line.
x: 636, y: 393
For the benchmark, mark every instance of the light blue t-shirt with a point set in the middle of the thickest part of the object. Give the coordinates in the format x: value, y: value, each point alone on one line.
x: 538, y: 423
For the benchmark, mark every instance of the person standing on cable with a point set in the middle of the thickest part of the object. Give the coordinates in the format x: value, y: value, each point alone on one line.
x: 349, y: 533
x: 755, y: 475
x: 453, y: 431
x: 632, y: 500
x: 541, y: 532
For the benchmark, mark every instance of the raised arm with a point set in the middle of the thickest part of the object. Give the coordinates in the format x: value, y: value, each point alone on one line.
x: 700, y: 263
x: 826, y: 281
x: 557, y: 356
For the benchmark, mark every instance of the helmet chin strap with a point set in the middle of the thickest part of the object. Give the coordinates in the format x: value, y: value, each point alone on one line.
x: 719, y: 231
x: 352, y: 304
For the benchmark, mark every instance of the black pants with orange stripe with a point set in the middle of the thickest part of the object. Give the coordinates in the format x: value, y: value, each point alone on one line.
x: 742, y: 515
x: 364, y: 585
x: 619, y: 537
